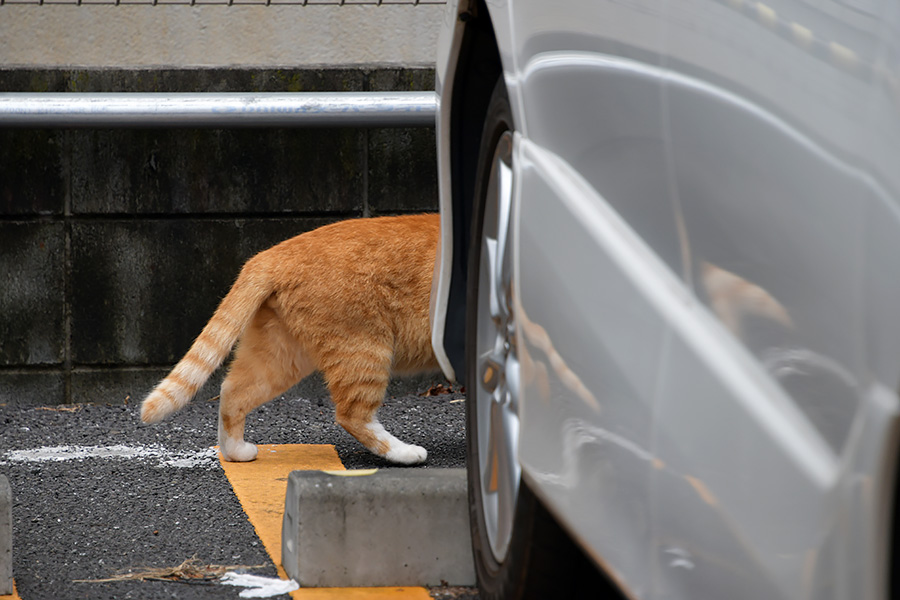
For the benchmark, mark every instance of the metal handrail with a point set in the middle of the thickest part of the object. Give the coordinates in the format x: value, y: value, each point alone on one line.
x: 219, y: 110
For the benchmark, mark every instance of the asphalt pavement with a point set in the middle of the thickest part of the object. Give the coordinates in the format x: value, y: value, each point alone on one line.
x: 97, y: 494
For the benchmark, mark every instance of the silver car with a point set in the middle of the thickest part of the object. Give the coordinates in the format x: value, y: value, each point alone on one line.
x: 669, y: 276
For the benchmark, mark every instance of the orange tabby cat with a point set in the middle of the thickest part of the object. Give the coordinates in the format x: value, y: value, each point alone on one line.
x: 349, y: 299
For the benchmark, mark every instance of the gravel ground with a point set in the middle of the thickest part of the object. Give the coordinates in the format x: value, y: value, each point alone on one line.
x: 91, y: 518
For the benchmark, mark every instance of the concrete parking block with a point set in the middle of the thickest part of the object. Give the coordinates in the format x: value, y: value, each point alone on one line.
x: 6, y: 581
x: 390, y: 527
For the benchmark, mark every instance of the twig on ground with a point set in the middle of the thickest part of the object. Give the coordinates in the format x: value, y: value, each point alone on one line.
x: 64, y: 408
x: 188, y: 571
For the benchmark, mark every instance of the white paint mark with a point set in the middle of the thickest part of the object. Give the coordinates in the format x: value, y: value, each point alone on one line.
x: 206, y: 458
x: 258, y: 586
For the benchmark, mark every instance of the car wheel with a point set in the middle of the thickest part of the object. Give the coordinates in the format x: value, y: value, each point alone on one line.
x: 519, y: 550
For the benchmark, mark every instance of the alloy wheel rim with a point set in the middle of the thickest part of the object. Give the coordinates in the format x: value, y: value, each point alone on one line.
x: 497, y: 359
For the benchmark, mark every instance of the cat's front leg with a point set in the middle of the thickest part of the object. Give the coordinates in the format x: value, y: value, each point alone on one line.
x: 398, y: 451
x: 358, y: 380
x: 378, y: 440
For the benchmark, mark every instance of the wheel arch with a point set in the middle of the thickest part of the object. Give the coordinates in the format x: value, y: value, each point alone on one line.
x: 477, y: 69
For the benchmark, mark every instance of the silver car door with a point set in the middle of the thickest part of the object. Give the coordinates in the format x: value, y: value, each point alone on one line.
x: 777, y: 399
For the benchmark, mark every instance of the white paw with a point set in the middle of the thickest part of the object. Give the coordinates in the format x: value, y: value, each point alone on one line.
x: 237, y: 451
x: 406, y: 454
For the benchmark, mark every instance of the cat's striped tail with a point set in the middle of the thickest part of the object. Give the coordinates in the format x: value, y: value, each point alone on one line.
x: 212, y: 346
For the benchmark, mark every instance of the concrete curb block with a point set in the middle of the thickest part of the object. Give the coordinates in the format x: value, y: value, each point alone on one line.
x: 394, y: 527
x: 6, y: 581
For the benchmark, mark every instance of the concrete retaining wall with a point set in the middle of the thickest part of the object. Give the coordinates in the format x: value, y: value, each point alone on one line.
x: 116, y: 245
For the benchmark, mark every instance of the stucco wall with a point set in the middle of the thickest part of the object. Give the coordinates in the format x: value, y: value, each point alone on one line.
x: 143, y: 33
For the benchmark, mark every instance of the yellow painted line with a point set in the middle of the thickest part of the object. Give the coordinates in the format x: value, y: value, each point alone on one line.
x: 261, y: 485
x: 13, y: 596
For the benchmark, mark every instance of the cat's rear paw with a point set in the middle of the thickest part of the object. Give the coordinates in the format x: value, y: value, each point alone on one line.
x: 238, y: 451
x: 406, y: 454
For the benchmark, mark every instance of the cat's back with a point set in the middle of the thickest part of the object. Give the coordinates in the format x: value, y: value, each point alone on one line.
x: 388, y: 234
x: 367, y: 239
x: 359, y: 260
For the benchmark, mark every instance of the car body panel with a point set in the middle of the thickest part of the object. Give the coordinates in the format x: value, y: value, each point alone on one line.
x: 707, y: 261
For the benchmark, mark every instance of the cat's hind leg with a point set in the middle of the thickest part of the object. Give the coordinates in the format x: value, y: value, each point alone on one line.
x: 357, y: 389
x: 268, y: 361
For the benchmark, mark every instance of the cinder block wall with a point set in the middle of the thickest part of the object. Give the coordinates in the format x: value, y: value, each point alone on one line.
x: 116, y: 245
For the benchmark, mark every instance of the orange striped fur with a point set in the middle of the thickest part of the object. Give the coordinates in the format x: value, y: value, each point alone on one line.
x: 348, y: 299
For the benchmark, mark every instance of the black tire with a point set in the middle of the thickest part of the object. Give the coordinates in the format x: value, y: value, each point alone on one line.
x: 541, y: 561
